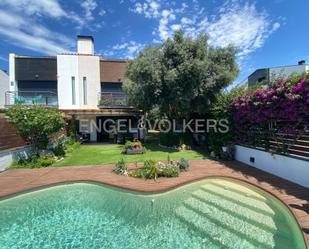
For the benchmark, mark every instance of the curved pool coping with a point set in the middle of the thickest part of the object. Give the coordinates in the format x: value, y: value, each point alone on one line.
x: 151, y: 187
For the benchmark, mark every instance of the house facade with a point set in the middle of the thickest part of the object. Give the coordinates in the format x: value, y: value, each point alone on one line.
x: 269, y: 74
x: 4, y: 86
x: 83, y: 85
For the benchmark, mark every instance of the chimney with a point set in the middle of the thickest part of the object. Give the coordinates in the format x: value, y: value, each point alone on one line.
x: 302, y: 62
x: 85, y: 45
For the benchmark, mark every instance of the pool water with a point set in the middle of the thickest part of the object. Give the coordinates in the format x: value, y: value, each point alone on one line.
x: 213, y: 213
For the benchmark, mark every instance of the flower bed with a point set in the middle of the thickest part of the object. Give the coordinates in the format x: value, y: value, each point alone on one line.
x: 152, y: 169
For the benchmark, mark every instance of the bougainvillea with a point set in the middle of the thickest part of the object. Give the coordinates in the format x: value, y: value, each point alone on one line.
x: 273, y: 112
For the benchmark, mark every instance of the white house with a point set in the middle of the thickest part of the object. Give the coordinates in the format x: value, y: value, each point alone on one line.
x: 82, y: 84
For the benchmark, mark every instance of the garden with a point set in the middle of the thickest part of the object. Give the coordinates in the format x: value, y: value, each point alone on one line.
x: 54, y: 144
x: 270, y: 116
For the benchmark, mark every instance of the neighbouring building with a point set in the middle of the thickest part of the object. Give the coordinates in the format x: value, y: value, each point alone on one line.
x: 82, y: 84
x: 268, y: 74
x: 4, y: 87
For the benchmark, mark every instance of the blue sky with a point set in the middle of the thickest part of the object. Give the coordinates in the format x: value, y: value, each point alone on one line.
x: 267, y: 32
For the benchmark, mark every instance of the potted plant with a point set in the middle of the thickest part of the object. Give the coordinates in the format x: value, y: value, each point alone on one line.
x: 134, y: 147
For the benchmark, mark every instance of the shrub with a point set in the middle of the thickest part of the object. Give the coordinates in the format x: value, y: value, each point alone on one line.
x: 133, y: 145
x: 36, y: 123
x: 120, y: 167
x: 135, y: 173
x: 169, y: 170
x: 276, y: 112
x: 183, y: 164
x: 71, y: 145
x: 44, y: 162
x: 59, y: 150
x: 221, y: 109
x: 58, y: 145
x: 120, y: 102
x: 150, y: 170
x: 34, y: 162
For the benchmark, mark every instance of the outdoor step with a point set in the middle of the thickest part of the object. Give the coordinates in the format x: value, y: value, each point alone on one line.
x: 244, y: 228
x: 242, y: 200
x: 242, y: 190
x: 211, y: 239
x: 220, y: 234
x: 236, y: 209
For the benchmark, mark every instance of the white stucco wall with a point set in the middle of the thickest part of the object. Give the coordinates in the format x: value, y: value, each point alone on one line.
x: 287, y: 71
x: 67, y: 67
x: 79, y: 66
x: 8, y: 156
x: 294, y: 170
x: 89, y: 67
x: 85, y: 46
x: 4, y: 87
x: 13, y: 86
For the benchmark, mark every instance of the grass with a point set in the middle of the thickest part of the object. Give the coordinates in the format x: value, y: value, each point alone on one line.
x: 110, y: 154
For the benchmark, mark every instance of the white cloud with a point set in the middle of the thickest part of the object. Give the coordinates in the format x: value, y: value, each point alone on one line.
x: 102, y: 12
x: 30, y: 7
x: 150, y: 8
x: 186, y: 21
x: 233, y: 23
x: 240, y: 25
x: 182, y: 9
x: 52, y: 9
x: 89, y: 6
x: 176, y: 27
x: 127, y: 50
x: 25, y: 32
x: 21, y: 23
x: 164, y: 29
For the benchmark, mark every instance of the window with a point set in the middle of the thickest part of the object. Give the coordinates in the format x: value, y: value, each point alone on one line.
x: 85, y: 90
x: 73, y: 91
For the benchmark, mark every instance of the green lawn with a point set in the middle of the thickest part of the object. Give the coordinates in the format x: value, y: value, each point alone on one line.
x: 106, y: 154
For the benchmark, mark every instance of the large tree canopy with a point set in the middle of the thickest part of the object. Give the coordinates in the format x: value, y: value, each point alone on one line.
x: 180, y: 76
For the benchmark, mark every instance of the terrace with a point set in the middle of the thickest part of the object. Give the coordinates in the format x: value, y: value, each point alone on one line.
x: 113, y: 100
x: 46, y: 98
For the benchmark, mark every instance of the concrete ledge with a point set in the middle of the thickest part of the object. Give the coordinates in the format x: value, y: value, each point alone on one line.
x: 8, y: 156
x: 292, y: 169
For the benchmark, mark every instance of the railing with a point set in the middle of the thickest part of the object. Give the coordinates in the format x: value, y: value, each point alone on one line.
x: 31, y: 98
x: 113, y: 100
x: 293, y: 143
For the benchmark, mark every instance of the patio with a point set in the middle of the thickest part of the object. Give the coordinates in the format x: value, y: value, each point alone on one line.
x: 294, y: 196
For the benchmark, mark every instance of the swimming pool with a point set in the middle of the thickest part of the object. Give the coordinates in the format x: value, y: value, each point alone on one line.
x: 212, y: 213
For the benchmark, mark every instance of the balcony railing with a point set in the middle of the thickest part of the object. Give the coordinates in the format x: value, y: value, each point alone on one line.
x: 31, y: 98
x: 113, y: 100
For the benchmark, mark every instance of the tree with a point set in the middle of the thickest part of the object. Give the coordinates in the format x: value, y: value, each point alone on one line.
x: 180, y: 77
x: 221, y: 108
x: 36, y: 123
